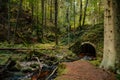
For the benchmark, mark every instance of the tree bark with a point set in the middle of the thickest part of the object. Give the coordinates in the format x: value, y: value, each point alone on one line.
x: 37, y: 22
x: 56, y: 20
x: 68, y: 23
x: 45, y: 14
x: 42, y: 6
x: 51, y: 10
x: 111, y: 57
x: 17, y: 19
x: 32, y: 11
x: 84, y: 17
x: 99, y: 10
x: 74, y: 14
x: 8, y: 36
x: 80, y: 18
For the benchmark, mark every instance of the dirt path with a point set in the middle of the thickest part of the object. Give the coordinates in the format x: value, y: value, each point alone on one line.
x: 83, y: 70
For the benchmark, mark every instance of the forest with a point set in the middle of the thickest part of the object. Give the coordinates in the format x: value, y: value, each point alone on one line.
x: 59, y: 40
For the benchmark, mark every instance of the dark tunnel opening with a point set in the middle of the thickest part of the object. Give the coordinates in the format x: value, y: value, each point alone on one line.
x: 87, y: 49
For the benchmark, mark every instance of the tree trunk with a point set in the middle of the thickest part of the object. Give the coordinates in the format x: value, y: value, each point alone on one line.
x: 42, y: 6
x: 80, y: 18
x: 3, y: 5
x: 99, y: 10
x: 8, y: 36
x: 37, y: 21
x: 74, y: 14
x: 45, y: 14
x: 68, y: 23
x: 111, y: 57
x: 32, y: 10
x: 51, y: 11
x: 84, y: 17
x: 56, y: 20
x: 17, y: 19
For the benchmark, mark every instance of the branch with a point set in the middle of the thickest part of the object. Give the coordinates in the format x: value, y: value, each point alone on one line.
x: 51, y: 73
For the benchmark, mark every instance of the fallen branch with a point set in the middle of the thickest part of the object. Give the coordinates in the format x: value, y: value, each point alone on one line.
x: 34, y: 75
x: 26, y: 49
x: 40, y: 65
x: 53, y: 72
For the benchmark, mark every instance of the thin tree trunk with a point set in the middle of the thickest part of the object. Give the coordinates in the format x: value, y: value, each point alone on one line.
x: 17, y: 19
x: 74, y: 15
x: 56, y: 20
x: 32, y: 10
x: 80, y: 18
x: 37, y: 22
x: 99, y: 11
x: 68, y: 26
x: 45, y: 14
x: 42, y: 6
x: 51, y: 10
x: 84, y: 17
x: 8, y: 37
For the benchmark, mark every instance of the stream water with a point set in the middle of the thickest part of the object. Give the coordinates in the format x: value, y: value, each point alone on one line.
x: 29, y: 72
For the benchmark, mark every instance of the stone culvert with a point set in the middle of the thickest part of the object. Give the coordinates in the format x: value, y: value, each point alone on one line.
x: 84, y: 49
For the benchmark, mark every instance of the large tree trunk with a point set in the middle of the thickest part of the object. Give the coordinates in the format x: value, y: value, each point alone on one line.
x: 111, y: 57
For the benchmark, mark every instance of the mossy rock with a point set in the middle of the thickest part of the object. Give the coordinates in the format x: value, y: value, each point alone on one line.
x: 75, y: 48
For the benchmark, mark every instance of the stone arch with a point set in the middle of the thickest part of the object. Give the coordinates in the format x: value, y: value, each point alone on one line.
x: 87, y: 49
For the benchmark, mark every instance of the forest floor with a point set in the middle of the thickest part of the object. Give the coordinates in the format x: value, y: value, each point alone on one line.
x: 83, y: 70
x: 74, y: 69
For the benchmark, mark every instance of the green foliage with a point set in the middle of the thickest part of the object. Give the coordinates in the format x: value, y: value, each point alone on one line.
x: 96, y: 62
x: 27, y: 18
x: 61, y: 69
x: 117, y: 76
x: 93, y: 34
x: 4, y: 55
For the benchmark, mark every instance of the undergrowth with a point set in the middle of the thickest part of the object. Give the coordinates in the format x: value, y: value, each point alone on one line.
x: 61, y: 69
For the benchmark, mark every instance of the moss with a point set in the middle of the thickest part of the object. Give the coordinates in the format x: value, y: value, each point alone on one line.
x: 61, y: 69
x: 18, y: 66
x: 92, y: 34
x: 95, y: 62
